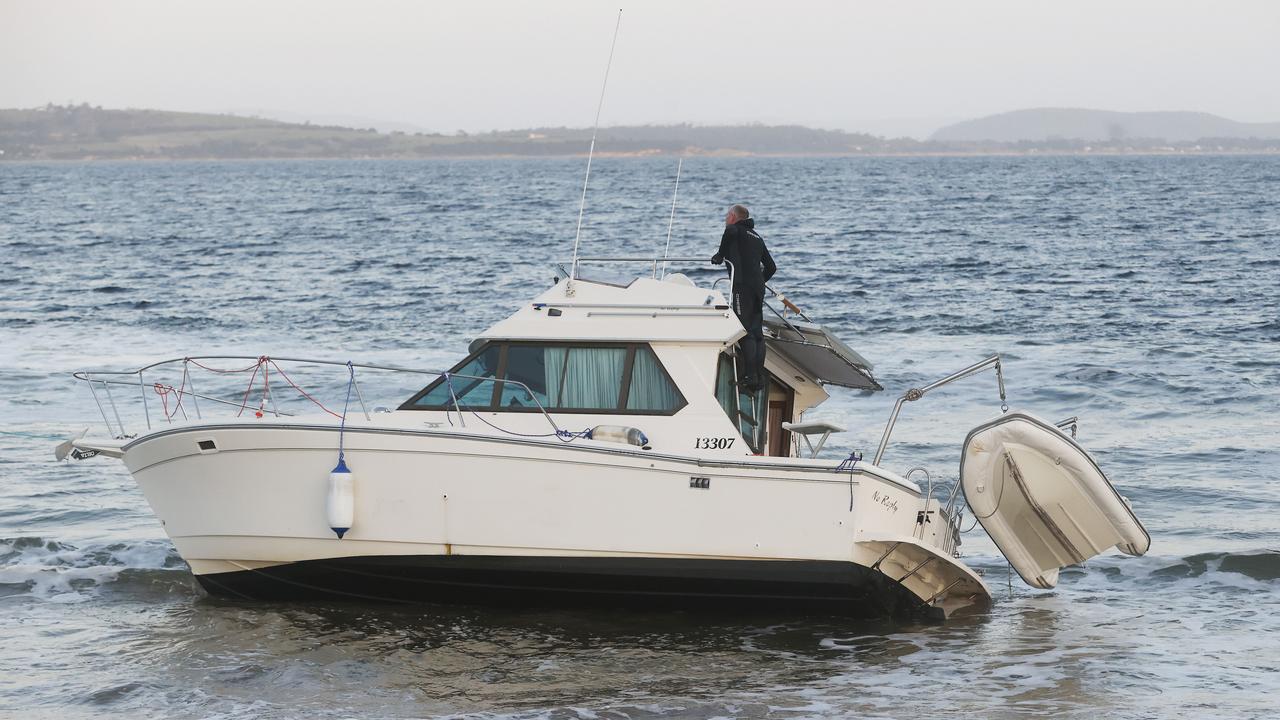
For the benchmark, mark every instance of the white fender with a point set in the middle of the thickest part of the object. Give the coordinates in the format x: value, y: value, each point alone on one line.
x: 340, y: 505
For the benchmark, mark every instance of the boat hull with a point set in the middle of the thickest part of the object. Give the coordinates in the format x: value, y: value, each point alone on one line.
x: 841, y: 588
x: 447, y: 516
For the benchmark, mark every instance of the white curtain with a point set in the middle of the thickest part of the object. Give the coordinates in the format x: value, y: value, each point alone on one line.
x: 650, y: 388
x: 592, y: 378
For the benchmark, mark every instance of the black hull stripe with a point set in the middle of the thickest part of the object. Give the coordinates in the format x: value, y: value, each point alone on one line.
x: 715, y: 585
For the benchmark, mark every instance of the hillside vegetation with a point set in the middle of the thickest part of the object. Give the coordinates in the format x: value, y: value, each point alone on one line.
x: 81, y: 132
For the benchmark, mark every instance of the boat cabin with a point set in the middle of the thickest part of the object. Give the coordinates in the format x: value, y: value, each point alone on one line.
x: 657, y: 354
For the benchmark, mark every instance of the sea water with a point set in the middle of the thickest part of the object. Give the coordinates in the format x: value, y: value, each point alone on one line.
x: 1141, y: 294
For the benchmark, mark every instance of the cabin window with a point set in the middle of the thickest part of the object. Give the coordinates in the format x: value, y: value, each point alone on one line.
x: 651, y: 389
x: 589, y: 378
x: 471, y: 382
x: 562, y: 377
x: 724, y: 388
x: 528, y: 364
x: 744, y: 409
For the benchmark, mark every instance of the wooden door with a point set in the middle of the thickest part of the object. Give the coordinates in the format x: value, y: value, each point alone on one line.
x: 778, y: 441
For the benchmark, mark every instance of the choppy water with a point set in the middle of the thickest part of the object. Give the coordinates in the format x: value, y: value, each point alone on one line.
x: 1138, y: 293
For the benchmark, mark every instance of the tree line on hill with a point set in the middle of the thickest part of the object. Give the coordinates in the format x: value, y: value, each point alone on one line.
x: 79, y: 132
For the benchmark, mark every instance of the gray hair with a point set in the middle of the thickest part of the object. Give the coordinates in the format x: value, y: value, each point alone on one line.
x: 741, y: 211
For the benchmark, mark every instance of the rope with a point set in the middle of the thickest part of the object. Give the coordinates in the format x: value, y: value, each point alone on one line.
x: 220, y: 371
x: 448, y: 380
x: 342, y: 424
x: 264, y: 365
x: 999, y: 498
x: 567, y: 436
x: 847, y: 465
x: 244, y: 402
x: 165, y: 390
x: 266, y: 390
x: 304, y: 394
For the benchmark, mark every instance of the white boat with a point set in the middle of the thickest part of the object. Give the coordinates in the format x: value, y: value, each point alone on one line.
x: 591, y: 448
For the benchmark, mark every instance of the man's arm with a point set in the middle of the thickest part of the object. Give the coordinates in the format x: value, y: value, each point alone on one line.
x: 769, y: 267
x: 718, y: 258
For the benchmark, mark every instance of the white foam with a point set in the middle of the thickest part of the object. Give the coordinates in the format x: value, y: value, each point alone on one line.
x: 61, y: 573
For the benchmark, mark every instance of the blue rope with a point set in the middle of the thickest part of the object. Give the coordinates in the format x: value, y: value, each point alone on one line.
x: 562, y: 435
x: 847, y: 464
x: 448, y: 381
x: 342, y: 424
x: 570, y: 436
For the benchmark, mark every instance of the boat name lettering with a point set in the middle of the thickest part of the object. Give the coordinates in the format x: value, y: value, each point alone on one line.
x: 885, y: 500
x: 713, y: 443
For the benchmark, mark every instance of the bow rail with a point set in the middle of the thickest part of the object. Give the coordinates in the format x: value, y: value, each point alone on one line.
x: 182, y: 389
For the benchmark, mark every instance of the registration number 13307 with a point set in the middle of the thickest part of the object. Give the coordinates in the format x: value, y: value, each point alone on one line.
x: 713, y: 443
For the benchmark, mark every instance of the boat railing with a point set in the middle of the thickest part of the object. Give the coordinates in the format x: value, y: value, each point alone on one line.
x: 787, y: 307
x: 946, y: 513
x: 658, y: 270
x: 181, y: 388
x: 916, y: 393
x: 657, y: 265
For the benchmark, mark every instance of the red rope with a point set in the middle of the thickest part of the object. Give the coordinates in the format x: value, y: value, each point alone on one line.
x: 266, y: 390
x: 213, y: 369
x: 264, y: 364
x: 164, y: 391
x: 299, y: 389
x: 181, y: 394
x: 244, y: 402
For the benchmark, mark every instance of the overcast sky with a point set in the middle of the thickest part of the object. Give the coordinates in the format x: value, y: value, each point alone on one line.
x: 885, y: 67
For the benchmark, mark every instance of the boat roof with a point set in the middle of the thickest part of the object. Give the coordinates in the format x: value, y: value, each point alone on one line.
x: 675, y: 309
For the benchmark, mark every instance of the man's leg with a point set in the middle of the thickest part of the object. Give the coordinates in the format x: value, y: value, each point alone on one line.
x: 752, y: 346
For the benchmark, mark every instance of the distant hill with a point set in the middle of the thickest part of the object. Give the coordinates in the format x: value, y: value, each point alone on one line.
x: 1049, y: 124
x: 84, y: 132
x: 81, y: 132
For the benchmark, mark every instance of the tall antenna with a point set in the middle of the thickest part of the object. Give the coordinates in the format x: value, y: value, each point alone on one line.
x: 577, y: 235
x: 667, y: 251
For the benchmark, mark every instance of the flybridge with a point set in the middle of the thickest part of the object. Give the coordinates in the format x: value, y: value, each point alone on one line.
x: 672, y: 308
x: 789, y: 331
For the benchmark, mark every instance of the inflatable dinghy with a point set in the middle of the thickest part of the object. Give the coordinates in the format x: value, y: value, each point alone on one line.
x: 1043, y: 499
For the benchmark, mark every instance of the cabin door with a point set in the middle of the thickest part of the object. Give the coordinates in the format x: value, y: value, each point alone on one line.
x: 758, y: 417
x: 781, y: 404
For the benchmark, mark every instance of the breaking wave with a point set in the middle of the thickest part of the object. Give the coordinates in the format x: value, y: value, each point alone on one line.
x: 60, y: 572
x: 1245, y: 571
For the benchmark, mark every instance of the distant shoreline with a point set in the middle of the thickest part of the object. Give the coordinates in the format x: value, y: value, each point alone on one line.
x: 638, y: 156
x: 87, y: 134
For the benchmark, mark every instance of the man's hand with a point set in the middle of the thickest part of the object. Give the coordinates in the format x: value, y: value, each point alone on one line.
x: 717, y: 259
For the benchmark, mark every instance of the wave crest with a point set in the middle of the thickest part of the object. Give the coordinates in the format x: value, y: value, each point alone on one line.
x: 60, y: 572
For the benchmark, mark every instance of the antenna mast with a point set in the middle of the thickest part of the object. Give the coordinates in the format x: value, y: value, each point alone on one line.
x: 676, y: 193
x: 577, y: 235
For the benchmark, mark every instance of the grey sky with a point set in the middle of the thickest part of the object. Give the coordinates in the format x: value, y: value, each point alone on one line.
x: 886, y: 67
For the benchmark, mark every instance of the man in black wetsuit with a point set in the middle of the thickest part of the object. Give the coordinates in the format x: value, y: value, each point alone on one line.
x: 752, y: 268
